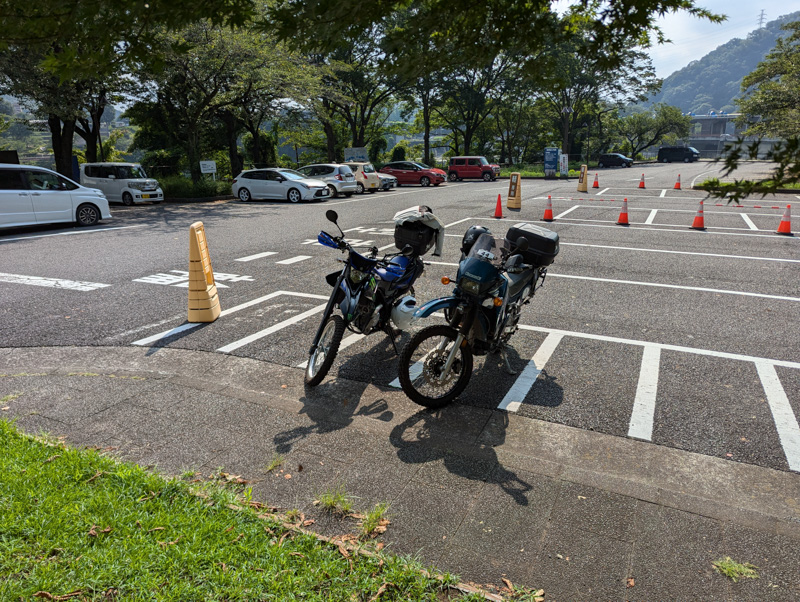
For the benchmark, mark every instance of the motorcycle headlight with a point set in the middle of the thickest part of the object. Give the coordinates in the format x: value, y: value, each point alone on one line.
x: 357, y: 276
x: 469, y: 286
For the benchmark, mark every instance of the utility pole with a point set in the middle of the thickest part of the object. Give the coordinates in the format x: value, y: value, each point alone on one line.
x: 761, y: 18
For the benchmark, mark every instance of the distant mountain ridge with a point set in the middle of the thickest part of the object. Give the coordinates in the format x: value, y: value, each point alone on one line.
x: 713, y: 82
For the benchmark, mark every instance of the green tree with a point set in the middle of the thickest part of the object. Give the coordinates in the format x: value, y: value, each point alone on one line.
x: 646, y: 128
x: 90, y: 39
x: 773, y: 94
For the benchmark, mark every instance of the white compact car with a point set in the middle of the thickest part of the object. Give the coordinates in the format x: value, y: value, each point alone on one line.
x: 32, y: 195
x: 278, y: 183
x: 338, y: 177
x: 125, y: 183
x: 387, y: 182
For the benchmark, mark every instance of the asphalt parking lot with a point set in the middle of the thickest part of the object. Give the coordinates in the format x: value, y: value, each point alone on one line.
x: 655, y: 331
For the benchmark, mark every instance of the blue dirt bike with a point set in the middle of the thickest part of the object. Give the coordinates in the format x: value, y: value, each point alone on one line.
x: 373, y: 295
x: 496, y: 277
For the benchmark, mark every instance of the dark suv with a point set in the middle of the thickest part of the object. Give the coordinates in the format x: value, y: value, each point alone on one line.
x: 614, y: 159
x: 472, y: 167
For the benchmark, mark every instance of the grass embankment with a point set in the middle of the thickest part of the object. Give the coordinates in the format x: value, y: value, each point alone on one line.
x: 531, y: 171
x: 75, y: 524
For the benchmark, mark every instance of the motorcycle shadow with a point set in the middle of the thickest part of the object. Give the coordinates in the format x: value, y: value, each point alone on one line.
x: 491, y: 381
x: 427, y: 437
x: 333, y: 405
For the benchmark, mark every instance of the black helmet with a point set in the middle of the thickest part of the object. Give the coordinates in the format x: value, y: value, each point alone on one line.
x: 471, y: 236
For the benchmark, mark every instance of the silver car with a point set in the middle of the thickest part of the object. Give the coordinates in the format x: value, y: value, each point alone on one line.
x: 339, y: 178
x: 387, y: 182
x: 278, y: 183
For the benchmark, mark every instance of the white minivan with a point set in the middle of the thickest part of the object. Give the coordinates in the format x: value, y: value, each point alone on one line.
x: 125, y: 183
x: 32, y: 195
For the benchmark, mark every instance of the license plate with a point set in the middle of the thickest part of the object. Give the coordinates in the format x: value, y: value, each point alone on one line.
x: 145, y: 196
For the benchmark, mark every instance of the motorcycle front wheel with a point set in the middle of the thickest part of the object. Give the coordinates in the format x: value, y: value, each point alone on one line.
x: 321, y: 360
x: 422, y: 362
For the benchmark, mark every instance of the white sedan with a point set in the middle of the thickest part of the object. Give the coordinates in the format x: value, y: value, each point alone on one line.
x: 278, y: 183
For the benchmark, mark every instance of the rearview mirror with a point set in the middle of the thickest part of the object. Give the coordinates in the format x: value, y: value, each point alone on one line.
x: 332, y: 215
x: 522, y: 244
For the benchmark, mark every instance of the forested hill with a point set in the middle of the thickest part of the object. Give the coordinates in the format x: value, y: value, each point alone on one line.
x: 713, y: 82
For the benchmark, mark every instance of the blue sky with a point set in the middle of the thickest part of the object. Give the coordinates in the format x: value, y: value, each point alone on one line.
x: 694, y: 38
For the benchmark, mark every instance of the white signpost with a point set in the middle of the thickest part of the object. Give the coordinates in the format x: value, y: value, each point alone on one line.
x: 209, y: 167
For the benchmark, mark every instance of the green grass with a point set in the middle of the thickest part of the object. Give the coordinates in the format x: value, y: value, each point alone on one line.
x: 374, y: 521
x: 277, y: 461
x: 75, y: 520
x: 532, y: 171
x: 735, y: 570
x: 336, y: 501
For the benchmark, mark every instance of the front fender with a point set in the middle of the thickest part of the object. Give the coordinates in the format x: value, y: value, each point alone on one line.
x: 433, y: 306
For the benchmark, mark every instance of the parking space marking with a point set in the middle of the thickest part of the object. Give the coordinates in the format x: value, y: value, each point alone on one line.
x: 663, y: 193
x: 257, y: 256
x: 675, y: 229
x: 748, y: 221
x: 723, y: 255
x: 71, y: 285
x: 513, y: 399
x: 293, y: 260
x: 560, y: 215
x: 599, y: 192
x: 644, y: 404
x: 189, y: 326
x: 782, y: 414
x: 71, y: 233
x: 651, y: 217
x: 655, y: 285
x: 268, y: 331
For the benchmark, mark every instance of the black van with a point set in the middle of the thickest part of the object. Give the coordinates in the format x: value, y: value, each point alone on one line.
x: 687, y: 154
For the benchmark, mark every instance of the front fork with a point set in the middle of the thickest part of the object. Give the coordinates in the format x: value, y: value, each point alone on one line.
x: 327, y: 313
x: 466, y: 325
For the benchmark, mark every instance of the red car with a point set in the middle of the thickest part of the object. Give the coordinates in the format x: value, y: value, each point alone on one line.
x: 408, y: 172
x: 472, y: 167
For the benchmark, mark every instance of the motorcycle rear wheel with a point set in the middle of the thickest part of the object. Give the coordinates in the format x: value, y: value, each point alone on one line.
x: 321, y: 360
x: 420, y: 366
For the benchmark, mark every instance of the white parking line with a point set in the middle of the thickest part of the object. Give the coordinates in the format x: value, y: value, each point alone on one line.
x: 782, y: 414
x: 644, y: 404
x: 651, y: 217
x: 677, y: 286
x: 664, y: 346
x: 268, y: 331
x: 560, y: 215
x: 293, y: 260
x: 257, y: 256
x: 189, y: 326
x: 71, y: 285
x: 71, y: 233
x: 513, y: 399
x: 748, y: 221
x: 663, y: 193
x: 655, y: 285
x: 580, y: 244
x: 601, y: 191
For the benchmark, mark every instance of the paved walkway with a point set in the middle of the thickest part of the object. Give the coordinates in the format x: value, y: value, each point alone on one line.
x: 477, y: 492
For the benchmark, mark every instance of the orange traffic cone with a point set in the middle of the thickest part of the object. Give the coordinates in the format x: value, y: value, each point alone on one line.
x: 641, y: 182
x: 786, y: 222
x: 498, y: 211
x: 623, y: 214
x: 596, y: 182
x: 548, y: 211
x: 678, y: 183
x: 699, y: 222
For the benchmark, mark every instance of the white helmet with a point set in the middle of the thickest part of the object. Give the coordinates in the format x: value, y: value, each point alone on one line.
x: 403, y: 312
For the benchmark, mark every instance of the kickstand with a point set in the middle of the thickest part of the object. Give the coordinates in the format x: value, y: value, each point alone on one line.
x: 509, y: 369
x: 390, y: 331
